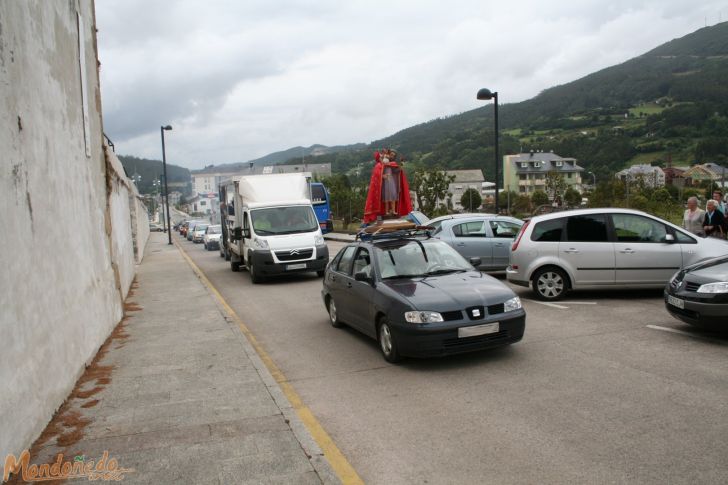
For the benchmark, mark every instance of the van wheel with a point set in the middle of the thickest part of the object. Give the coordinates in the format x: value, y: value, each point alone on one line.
x: 550, y: 284
x: 254, y: 276
x: 387, y: 344
x: 235, y: 266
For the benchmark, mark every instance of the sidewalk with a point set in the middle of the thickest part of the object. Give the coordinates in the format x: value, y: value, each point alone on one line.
x: 179, y: 395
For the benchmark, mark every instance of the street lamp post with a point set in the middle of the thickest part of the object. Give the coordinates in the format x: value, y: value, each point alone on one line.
x: 486, y: 94
x: 594, y: 179
x: 162, y: 129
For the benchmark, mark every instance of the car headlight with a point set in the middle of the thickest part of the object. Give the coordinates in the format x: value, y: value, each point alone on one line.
x: 318, y: 240
x: 423, y: 317
x: 512, y: 304
x: 260, y: 243
x: 719, y: 287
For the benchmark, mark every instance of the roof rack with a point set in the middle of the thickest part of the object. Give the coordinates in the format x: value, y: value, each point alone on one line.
x: 382, y: 234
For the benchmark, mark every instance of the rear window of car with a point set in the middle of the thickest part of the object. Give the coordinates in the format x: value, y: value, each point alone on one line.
x: 587, y: 228
x: 470, y: 229
x: 548, y: 231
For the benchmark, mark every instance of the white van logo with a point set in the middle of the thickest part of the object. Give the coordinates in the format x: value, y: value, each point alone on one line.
x: 294, y: 252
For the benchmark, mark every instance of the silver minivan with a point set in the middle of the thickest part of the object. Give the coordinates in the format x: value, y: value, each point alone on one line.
x: 484, y: 236
x: 602, y: 248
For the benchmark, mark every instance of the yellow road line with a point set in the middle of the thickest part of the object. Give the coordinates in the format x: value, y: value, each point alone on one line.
x: 335, y: 457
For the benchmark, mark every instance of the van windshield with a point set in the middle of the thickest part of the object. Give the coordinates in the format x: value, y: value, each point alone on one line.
x: 284, y: 220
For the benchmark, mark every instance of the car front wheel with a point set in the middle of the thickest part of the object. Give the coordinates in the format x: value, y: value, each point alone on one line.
x: 333, y: 314
x: 387, y: 344
x: 550, y: 284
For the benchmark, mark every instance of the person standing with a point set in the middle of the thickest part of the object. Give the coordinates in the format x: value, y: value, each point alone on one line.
x: 693, y: 217
x: 718, y: 197
x: 714, y: 221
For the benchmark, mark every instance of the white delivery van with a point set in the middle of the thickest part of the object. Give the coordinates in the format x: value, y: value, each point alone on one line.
x: 271, y: 226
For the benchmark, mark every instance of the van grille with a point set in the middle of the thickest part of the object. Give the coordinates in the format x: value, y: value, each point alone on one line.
x: 294, y: 254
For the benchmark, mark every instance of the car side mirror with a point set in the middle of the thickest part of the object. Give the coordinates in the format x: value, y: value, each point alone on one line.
x: 237, y: 234
x: 669, y: 238
x: 362, y: 276
x: 476, y: 262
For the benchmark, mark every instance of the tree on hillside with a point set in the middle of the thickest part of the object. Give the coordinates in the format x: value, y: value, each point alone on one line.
x: 431, y: 186
x: 539, y: 197
x: 555, y: 184
x: 471, y: 200
x: 572, y: 197
x: 347, y: 199
x: 521, y: 204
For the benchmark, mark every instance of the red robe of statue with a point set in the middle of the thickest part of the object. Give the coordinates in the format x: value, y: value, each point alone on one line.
x: 375, y: 205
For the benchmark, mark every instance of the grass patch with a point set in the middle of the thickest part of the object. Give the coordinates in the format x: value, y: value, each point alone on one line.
x: 647, y: 109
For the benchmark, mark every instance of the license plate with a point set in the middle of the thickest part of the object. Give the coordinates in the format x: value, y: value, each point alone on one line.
x: 296, y: 266
x: 676, y: 302
x: 478, y: 330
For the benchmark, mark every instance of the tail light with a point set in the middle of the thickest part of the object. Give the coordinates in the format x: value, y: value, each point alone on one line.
x: 514, y: 246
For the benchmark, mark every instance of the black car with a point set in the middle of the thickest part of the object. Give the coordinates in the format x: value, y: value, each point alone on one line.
x: 418, y: 297
x: 698, y: 294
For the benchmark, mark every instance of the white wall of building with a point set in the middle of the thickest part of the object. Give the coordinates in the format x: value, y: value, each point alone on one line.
x: 68, y: 254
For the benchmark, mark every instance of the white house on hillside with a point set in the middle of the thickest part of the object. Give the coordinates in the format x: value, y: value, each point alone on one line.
x: 651, y: 176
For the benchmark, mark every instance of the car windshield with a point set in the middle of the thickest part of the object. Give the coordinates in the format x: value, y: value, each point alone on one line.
x: 213, y: 230
x: 284, y: 220
x: 408, y: 259
x: 200, y: 227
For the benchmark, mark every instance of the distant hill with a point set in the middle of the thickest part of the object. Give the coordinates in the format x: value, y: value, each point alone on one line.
x: 292, y: 155
x: 151, y: 170
x: 669, y: 104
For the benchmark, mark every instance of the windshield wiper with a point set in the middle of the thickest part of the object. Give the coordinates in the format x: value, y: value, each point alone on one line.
x: 294, y: 231
x: 445, y: 271
x: 402, y: 276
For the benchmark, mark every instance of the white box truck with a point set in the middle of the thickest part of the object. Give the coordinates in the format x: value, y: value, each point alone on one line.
x: 271, y: 227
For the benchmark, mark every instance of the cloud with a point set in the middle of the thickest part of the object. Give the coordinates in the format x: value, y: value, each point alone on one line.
x: 238, y: 80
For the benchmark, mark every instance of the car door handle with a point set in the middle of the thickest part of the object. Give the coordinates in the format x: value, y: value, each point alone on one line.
x: 460, y: 245
x: 627, y: 251
x: 499, y: 245
x: 571, y: 250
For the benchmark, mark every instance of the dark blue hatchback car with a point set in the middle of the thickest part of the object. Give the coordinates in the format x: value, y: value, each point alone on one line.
x: 418, y: 297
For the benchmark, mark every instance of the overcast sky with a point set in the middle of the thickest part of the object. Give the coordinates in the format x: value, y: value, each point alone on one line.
x: 240, y: 79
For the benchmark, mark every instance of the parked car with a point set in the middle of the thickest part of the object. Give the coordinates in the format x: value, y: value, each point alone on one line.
x: 154, y: 227
x: 191, y: 229
x: 211, y: 239
x: 418, y: 297
x: 602, y: 249
x: 484, y: 236
x: 698, y: 294
x: 199, y: 232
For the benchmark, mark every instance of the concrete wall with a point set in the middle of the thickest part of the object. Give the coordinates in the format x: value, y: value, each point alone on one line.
x: 68, y: 255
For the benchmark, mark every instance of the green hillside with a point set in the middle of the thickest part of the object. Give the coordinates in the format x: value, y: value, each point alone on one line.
x: 669, y: 103
x: 151, y: 170
x: 292, y: 155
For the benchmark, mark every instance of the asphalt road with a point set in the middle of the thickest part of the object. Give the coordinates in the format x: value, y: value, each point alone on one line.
x: 604, y: 388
